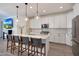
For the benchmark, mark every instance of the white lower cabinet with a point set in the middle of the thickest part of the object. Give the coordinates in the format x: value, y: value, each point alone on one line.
x: 58, y: 36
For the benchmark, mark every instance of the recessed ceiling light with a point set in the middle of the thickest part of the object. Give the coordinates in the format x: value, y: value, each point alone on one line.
x: 44, y: 10
x: 30, y: 6
x: 61, y: 7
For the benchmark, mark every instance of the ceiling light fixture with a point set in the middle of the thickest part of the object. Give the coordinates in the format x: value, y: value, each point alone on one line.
x: 37, y: 16
x: 26, y: 12
x: 31, y: 7
x: 61, y: 7
x: 44, y: 10
x: 17, y: 13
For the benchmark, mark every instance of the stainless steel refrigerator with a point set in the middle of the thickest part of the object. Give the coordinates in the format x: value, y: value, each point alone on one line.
x: 75, y: 36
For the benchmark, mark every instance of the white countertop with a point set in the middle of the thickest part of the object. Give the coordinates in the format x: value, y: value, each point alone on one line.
x: 34, y: 36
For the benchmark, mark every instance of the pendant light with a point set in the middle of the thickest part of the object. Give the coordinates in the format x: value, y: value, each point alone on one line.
x: 26, y: 12
x: 17, y: 13
x: 37, y: 16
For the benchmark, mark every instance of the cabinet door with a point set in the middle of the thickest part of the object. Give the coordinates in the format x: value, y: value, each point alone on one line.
x: 62, y: 38
x: 69, y: 19
x: 63, y: 21
x: 57, y: 22
x: 60, y: 21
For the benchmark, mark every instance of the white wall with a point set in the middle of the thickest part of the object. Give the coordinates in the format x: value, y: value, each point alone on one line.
x: 1, y: 29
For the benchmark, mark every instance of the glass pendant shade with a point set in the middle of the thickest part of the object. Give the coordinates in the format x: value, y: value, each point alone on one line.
x: 37, y: 17
x: 16, y: 20
x: 26, y: 19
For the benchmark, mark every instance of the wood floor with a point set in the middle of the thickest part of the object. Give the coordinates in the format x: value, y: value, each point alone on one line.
x: 54, y: 50
x: 60, y: 50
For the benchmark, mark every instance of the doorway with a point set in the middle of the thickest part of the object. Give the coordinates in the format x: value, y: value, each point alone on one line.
x: 1, y: 29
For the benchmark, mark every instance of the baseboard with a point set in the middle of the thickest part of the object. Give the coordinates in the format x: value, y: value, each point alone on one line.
x: 60, y: 44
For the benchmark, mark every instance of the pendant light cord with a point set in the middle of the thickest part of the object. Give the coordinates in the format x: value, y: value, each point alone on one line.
x: 17, y: 11
x: 37, y: 9
x: 26, y: 8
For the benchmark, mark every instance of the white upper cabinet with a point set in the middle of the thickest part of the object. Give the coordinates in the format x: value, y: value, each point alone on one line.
x: 57, y: 21
x: 54, y: 21
x: 63, y: 21
x: 69, y: 19
x: 51, y: 22
x: 60, y: 21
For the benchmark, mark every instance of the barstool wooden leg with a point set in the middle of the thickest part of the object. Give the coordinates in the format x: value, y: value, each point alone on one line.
x: 28, y: 50
x: 37, y: 50
x: 41, y: 50
x: 11, y: 46
x: 44, y: 50
x: 19, y: 49
x: 7, y: 45
x: 34, y: 50
x: 25, y: 47
x: 31, y: 49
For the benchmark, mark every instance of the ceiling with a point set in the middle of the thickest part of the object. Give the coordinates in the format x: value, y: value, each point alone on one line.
x: 9, y: 9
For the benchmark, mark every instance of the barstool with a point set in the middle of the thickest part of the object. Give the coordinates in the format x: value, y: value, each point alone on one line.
x: 37, y: 43
x: 25, y: 42
x: 9, y: 42
x: 16, y: 39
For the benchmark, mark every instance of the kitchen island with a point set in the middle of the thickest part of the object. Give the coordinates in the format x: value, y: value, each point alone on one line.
x: 44, y: 38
